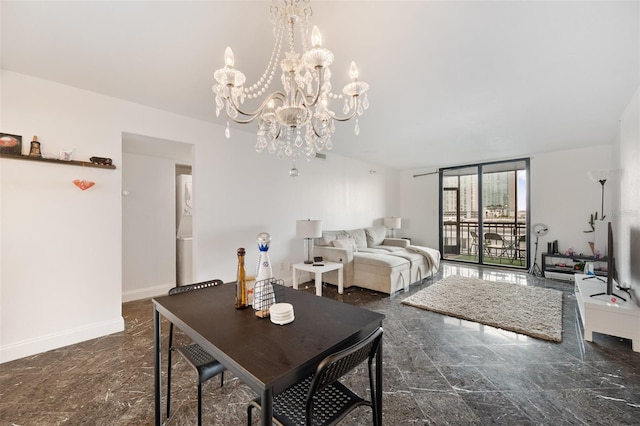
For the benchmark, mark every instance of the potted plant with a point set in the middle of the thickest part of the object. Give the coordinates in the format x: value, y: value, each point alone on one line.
x: 592, y: 224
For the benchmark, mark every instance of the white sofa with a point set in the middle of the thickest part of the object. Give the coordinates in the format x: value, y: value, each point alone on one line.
x: 373, y: 261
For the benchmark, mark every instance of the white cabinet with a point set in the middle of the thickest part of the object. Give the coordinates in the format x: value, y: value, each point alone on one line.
x: 606, y: 314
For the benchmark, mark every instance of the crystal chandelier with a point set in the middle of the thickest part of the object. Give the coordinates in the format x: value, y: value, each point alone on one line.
x: 296, y: 121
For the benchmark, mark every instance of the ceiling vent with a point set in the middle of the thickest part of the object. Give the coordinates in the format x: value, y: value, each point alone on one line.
x: 321, y: 156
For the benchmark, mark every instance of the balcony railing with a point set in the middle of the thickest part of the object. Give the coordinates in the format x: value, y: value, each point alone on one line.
x: 462, y: 241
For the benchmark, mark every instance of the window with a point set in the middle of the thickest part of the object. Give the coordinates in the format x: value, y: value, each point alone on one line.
x: 484, y: 213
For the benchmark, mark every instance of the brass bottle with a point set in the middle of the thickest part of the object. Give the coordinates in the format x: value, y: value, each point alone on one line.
x: 241, y: 282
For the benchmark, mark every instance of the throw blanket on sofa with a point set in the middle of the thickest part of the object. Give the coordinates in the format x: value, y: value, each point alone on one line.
x: 431, y: 256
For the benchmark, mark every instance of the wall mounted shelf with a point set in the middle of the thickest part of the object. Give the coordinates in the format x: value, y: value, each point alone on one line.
x: 57, y: 161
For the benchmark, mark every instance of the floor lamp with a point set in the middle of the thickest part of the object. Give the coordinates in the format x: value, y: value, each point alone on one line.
x: 602, y: 182
x: 539, y: 229
x: 601, y: 176
x: 308, y: 229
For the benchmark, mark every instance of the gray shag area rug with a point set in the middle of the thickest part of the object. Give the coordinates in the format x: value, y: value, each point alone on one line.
x: 533, y: 311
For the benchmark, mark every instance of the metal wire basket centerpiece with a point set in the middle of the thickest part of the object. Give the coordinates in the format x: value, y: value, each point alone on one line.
x: 266, y: 293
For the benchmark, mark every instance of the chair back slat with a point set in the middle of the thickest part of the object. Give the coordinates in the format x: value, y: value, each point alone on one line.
x: 492, y: 236
x: 194, y: 355
x: 185, y: 288
x: 337, y: 365
x: 196, y: 286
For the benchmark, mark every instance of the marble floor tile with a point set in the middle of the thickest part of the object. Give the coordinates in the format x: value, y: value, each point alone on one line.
x: 437, y: 370
x: 495, y: 408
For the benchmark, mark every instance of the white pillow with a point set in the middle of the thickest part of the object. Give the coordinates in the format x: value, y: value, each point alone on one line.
x: 359, y: 236
x: 375, y: 235
x: 346, y: 243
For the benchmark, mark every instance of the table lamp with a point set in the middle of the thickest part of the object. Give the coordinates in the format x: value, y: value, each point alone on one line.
x: 393, y: 223
x: 308, y: 229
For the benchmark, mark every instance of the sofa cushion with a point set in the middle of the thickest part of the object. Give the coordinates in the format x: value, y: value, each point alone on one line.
x: 345, y: 243
x: 328, y: 237
x: 375, y: 235
x: 380, y: 260
x: 359, y: 236
x: 374, y: 250
x: 385, y: 248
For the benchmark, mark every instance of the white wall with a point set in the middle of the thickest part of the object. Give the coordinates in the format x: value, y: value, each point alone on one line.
x: 256, y: 194
x: 420, y: 208
x: 563, y: 196
x: 61, y: 247
x: 626, y: 217
x: 60, y: 265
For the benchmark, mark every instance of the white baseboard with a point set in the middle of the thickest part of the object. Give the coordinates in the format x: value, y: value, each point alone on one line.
x: 162, y: 290
x: 37, y: 345
x: 147, y: 292
x: 288, y: 281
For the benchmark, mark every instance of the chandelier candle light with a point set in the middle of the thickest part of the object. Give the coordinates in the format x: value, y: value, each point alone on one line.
x: 296, y: 121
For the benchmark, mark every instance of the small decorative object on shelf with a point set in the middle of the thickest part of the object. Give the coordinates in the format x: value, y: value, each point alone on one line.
x: 588, y: 268
x: 101, y: 160
x: 240, y: 301
x: 592, y: 218
x: 35, y: 148
x: 10, y: 144
x: 66, y: 154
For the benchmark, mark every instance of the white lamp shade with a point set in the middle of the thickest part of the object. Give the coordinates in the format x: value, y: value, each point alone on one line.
x: 392, y: 222
x: 308, y: 228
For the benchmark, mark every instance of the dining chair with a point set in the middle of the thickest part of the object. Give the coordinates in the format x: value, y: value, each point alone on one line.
x: 495, y: 242
x: 321, y: 399
x: 474, y: 242
x: 521, y: 247
x: 204, y: 364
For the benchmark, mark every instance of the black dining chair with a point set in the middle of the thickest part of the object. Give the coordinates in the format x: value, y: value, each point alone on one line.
x: 204, y: 364
x: 494, y: 242
x: 521, y: 247
x: 321, y: 399
x: 474, y: 242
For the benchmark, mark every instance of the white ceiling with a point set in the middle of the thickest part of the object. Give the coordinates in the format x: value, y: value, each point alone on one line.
x: 452, y: 82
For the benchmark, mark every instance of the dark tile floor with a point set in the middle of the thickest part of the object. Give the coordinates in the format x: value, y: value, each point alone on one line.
x: 437, y: 370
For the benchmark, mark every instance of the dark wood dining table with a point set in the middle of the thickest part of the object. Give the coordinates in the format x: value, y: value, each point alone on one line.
x: 267, y: 357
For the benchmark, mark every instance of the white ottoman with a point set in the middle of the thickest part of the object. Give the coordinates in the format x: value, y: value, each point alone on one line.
x: 418, y: 264
x: 381, y: 272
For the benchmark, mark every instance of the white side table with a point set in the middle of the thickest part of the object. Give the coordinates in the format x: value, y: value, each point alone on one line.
x: 319, y: 270
x: 602, y: 315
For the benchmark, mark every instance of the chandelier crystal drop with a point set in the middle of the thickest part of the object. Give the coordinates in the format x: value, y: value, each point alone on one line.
x: 296, y: 121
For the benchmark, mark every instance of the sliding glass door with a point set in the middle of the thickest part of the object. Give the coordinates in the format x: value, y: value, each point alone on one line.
x: 484, y: 213
x: 459, y: 214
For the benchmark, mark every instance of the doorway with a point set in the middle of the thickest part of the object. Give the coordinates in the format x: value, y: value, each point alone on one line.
x: 149, y: 244
x: 484, y: 213
x: 184, y: 225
